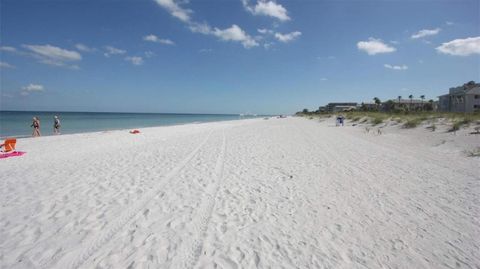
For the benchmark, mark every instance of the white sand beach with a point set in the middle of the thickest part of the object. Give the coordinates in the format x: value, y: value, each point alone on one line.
x: 277, y: 193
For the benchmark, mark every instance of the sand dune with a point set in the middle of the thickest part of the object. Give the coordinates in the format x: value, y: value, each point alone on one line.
x: 278, y: 193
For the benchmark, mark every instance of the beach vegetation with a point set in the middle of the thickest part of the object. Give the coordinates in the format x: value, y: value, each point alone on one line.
x: 474, y: 152
x: 412, y: 123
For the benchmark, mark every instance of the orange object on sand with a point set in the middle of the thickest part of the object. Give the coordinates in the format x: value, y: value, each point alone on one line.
x: 9, y: 145
x: 135, y: 132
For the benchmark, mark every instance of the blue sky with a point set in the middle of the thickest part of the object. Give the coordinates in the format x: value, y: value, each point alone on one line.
x: 231, y: 56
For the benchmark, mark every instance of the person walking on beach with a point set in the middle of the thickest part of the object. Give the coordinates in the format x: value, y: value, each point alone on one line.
x: 36, y: 127
x: 56, y: 125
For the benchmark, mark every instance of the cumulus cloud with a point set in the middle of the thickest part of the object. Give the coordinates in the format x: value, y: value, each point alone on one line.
x: 396, y: 67
x: 109, y: 50
x: 156, y: 39
x: 53, y: 55
x: 6, y: 65
x: 135, y: 60
x: 285, y: 38
x: 461, y: 47
x: 84, y: 48
x: 175, y: 9
x: 235, y: 33
x: 267, y: 8
x: 374, y: 46
x: 425, y: 32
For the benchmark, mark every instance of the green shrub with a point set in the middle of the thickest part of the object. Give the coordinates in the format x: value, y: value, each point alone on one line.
x: 456, y: 126
x: 377, y: 120
x: 412, y: 123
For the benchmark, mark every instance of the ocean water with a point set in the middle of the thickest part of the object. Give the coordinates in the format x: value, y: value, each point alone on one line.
x: 17, y: 123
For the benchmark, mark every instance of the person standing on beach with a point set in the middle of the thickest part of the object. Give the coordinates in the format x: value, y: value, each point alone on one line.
x: 36, y: 127
x: 56, y: 125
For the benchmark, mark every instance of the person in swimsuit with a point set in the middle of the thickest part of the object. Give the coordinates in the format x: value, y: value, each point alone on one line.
x: 56, y: 125
x: 36, y: 127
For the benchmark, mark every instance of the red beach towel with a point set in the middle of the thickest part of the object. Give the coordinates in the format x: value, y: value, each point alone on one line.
x: 11, y: 154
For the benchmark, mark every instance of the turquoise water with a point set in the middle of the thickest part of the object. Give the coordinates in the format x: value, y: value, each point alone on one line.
x: 17, y: 123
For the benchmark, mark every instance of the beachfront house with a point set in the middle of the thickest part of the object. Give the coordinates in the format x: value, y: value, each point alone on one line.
x: 465, y: 98
x: 340, y: 107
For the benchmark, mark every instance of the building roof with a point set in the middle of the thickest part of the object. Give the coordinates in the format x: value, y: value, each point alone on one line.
x: 467, y: 88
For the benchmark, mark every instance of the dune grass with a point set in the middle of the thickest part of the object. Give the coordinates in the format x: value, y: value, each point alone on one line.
x: 474, y: 153
x: 408, y: 119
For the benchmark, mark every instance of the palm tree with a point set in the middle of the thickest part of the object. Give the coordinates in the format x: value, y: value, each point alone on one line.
x: 423, y: 98
x: 399, y: 100
x: 377, y: 101
x: 411, y: 100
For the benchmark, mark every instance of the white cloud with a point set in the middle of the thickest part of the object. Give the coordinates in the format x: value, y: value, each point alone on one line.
x: 53, y: 55
x: 175, y: 9
x: 449, y: 23
x: 33, y: 88
x: 374, y: 46
x: 265, y: 31
x: 396, y: 67
x: 425, y: 32
x: 205, y: 50
x: 202, y: 28
x: 135, y: 60
x: 26, y: 90
x: 323, y: 79
x: 285, y: 38
x: 113, y: 51
x: 8, y: 49
x: 461, y: 47
x: 6, y: 65
x: 149, y: 54
x: 267, y: 8
x: 82, y: 47
x: 268, y: 45
x: 156, y: 39
x: 235, y: 33
x: 331, y: 57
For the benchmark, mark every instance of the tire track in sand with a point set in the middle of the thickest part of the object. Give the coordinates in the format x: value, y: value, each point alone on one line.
x: 77, y: 258
x: 192, y: 246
